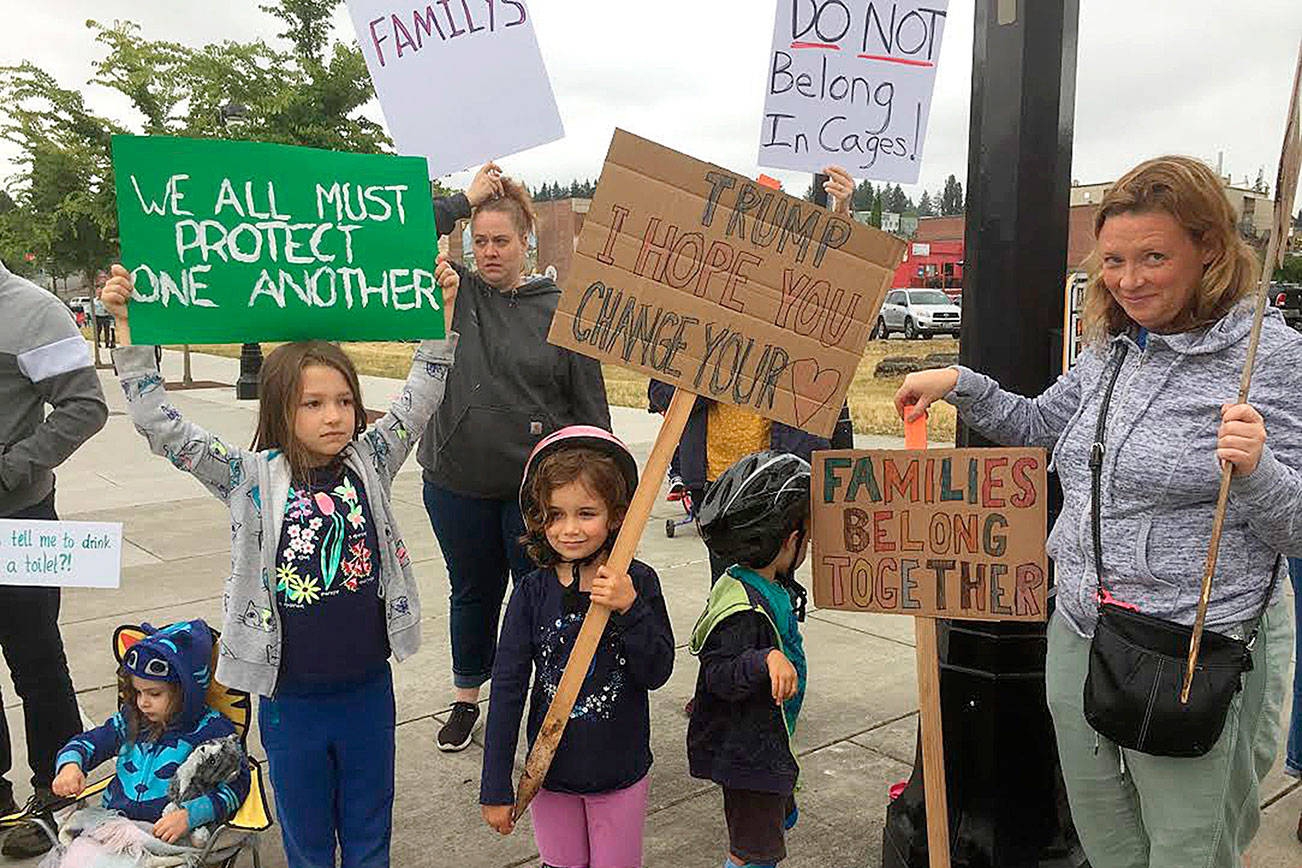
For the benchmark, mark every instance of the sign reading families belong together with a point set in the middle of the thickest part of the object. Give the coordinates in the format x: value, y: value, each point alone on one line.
x: 708, y: 280
x: 943, y: 533
x: 849, y: 83
x: 240, y: 241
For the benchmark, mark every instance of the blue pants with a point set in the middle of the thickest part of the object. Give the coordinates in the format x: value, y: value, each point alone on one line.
x: 1293, y: 761
x: 480, y: 540
x: 331, y: 762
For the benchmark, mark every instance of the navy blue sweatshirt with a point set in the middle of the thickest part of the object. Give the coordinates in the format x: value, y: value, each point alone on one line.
x: 328, y: 585
x: 607, y: 742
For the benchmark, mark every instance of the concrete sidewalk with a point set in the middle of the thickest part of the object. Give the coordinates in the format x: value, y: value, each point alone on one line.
x: 856, y: 736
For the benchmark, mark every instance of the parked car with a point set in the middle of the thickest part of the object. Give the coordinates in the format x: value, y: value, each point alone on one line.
x: 1288, y: 298
x: 80, y: 304
x: 918, y: 313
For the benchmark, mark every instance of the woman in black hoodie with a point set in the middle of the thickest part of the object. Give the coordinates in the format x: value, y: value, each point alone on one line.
x: 508, y: 390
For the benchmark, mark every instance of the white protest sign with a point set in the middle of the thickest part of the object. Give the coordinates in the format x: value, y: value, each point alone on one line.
x: 64, y: 554
x: 849, y: 84
x: 460, y: 81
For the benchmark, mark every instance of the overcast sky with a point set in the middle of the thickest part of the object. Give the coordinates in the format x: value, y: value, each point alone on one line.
x: 1153, y: 76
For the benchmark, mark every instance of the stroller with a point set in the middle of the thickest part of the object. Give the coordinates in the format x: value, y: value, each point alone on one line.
x: 228, y: 840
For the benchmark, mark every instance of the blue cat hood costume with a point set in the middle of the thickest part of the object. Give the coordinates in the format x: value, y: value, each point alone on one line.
x: 181, y: 654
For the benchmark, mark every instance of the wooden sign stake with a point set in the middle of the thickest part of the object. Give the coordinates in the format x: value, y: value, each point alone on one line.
x: 1285, y: 191
x: 594, y: 623
x: 926, y: 634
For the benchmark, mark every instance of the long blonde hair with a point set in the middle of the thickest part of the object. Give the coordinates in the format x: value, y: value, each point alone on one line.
x: 1189, y: 191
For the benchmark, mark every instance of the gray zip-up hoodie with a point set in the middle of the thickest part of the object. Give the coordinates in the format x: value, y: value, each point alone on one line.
x: 43, y: 360
x: 255, y: 485
x: 1160, y: 473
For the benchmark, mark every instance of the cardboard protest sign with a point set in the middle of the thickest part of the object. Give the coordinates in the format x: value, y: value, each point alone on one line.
x: 849, y: 83
x: 943, y: 533
x: 705, y: 279
x: 64, y: 554
x: 231, y: 242
x: 459, y: 82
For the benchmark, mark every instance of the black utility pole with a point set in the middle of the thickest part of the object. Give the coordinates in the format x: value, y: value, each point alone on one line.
x: 1006, y: 805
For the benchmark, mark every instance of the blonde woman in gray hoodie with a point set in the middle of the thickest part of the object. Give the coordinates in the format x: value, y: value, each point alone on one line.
x: 1170, y: 302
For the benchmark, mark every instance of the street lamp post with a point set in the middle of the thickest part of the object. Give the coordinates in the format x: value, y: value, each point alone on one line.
x: 1007, y: 808
x: 246, y: 387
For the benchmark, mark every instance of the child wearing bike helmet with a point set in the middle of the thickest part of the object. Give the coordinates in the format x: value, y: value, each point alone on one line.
x: 752, y: 677
x: 592, y: 805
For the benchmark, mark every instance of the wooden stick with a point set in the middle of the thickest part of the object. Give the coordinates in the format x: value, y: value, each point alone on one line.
x: 926, y: 632
x: 1285, y: 191
x: 594, y: 623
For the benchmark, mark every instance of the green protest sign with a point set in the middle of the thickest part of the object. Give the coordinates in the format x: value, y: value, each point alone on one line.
x: 231, y: 242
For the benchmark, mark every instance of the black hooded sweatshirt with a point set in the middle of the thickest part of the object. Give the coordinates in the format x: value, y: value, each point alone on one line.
x: 508, y: 389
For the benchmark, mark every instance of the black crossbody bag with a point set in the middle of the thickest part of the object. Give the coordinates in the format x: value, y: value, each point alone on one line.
x: 1137, y: 661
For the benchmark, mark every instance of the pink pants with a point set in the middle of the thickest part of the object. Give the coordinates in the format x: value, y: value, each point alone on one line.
x: 602, y: 830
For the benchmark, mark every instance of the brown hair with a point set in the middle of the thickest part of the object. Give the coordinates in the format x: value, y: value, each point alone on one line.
x: 280, y: 387
x: 1189, y: 191
x: 597, y: 471
x: 516, y: 203
x: 137, y: 723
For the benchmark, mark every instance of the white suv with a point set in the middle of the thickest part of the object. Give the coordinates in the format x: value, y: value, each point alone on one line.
x: 918, y: 313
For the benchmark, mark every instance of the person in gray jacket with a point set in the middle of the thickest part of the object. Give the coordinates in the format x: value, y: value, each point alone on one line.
x: 43, y: 360
x: 509, y: 390
x: 1173, y: 283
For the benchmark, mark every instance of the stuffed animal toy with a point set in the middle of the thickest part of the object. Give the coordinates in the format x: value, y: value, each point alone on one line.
x: 214, y: 762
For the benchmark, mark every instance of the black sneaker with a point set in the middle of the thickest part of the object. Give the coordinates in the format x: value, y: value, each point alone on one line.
x: 455, y: 734
x: 29, y: 839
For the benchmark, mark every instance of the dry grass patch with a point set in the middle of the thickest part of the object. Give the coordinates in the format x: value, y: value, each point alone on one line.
x: 870, y: 398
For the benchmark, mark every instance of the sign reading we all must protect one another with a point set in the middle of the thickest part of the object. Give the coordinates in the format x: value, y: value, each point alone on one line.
x: 247, y: 241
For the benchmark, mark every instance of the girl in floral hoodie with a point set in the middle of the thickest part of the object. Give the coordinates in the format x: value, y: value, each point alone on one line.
x: 321, y: 589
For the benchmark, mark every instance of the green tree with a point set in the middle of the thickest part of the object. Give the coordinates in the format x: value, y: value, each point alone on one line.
x: 896, y: 201
x: 925, y: 208
x: 64, y: 209
x: 1290, y: 271
x: 951, y: 200
x: 862, y: 199
x: 876, y: 218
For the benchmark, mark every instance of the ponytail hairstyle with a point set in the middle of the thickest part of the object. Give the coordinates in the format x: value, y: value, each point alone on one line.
x: 516, y: 203
x: 1191, y: 193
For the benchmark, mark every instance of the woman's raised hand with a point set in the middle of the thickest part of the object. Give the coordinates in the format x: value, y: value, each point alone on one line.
x: 840, y: 187
x: 922, y: 389
x: 449, y: 281
x: 487, y: 184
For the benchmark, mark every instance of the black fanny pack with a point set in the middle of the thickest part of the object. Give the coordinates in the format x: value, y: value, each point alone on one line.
x: 1137, y: 661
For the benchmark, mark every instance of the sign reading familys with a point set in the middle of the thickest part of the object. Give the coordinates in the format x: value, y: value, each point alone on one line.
x: 62, y: 554
x: 943, y: 533
x: 230, y: 242
x: 729, y: 289
x: 460, y: 81
x: 849, y: 83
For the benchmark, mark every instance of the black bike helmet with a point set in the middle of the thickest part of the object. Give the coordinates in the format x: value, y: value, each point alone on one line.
x: 754, y: 506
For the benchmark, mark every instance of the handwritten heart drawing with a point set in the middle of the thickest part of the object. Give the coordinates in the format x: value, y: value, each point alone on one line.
x: 812, y: 387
